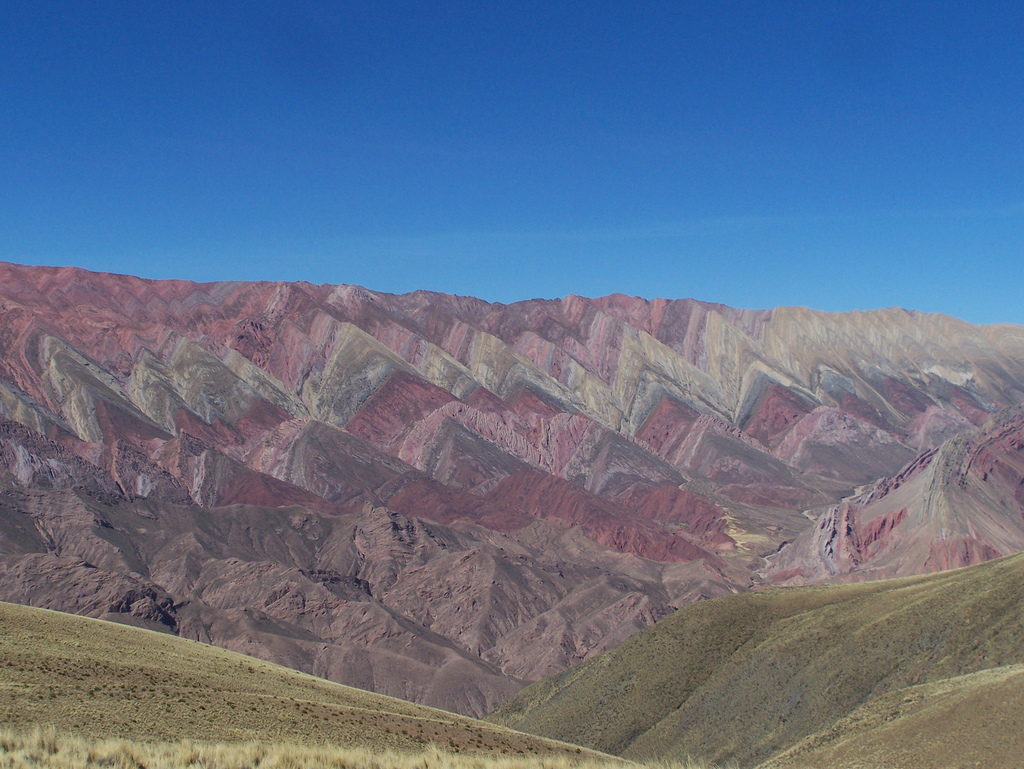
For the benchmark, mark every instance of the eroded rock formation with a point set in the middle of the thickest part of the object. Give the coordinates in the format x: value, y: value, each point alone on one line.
x: 442, y: 498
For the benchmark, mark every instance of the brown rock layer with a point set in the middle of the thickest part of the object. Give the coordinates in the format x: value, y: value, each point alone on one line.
x: 442, y: 498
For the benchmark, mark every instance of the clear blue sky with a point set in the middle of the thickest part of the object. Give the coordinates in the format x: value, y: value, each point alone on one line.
x: 841, y: 155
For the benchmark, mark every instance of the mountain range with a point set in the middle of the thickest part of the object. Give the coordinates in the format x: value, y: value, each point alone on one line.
x: 444, y: 499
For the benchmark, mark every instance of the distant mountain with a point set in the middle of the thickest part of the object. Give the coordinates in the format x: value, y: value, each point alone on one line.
x: 953, y: 506
x: 444, y: 499
x: 924, y: 671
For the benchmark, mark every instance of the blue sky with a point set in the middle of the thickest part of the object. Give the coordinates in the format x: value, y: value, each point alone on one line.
x: 831, y: 154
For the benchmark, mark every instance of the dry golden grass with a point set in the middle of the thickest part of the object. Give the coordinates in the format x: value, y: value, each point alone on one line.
x: 99, y: 680
x: 974, y: 720
x: 45, y: 748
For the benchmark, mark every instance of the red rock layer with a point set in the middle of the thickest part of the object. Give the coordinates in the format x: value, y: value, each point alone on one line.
x: 414, y: 493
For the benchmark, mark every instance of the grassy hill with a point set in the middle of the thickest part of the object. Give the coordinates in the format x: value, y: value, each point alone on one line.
x: 971, y: 720
x: 97, y: 680
x: 748, y: 677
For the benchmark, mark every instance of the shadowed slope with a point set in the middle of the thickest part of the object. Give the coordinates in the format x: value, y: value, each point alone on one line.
x: 449, y: 615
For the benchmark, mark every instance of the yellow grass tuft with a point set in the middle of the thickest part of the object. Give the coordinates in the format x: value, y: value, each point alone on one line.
x: 101, y: 681
x: 44, y: 748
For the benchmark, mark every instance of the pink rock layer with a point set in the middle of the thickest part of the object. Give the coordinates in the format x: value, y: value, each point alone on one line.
x: 442, y: 498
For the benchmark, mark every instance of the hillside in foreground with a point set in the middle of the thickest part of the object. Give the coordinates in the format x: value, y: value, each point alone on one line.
x: 970, y: 720
x: 97, y: 680
x: 48, y: 749
x: 866, y: 674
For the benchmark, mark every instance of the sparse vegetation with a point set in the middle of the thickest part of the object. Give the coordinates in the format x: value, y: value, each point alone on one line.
x: 98, y: 681
x: 78, y: 693
x: 925, y: 671
x: 44, y: 747
x: 750, y: 677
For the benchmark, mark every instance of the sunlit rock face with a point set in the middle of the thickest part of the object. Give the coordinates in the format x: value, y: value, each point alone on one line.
x: 953, y: 506
x: 442, y: 499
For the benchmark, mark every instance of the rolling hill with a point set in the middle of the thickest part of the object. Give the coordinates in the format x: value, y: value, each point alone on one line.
x: 94, y: 679
x: 969, y: 720
x: 844, y: 675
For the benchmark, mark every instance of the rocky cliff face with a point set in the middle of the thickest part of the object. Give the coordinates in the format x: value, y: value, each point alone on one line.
x: 440, y: 498
x: 957, y: 505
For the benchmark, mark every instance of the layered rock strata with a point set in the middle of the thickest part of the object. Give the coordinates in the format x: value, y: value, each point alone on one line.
x: 442, y: 498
